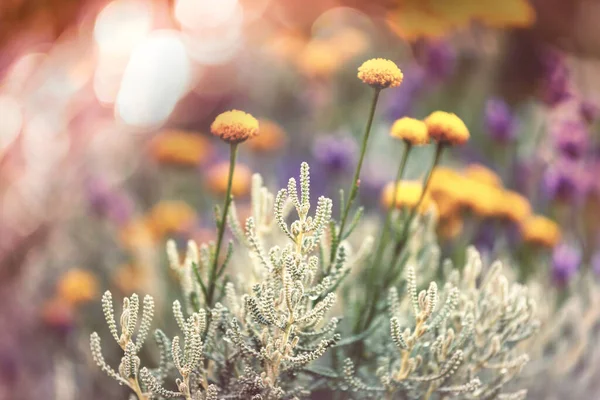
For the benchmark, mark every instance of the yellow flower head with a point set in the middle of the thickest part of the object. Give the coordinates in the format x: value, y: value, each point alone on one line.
x: 217, y: 179
x: 481, y: 174
x: 448, y: 189
x: 169, y: 217
x: 447, y: 128
x: 234, y: 126
x: 272, y: 138
x: 408, y: 195
x: 180, y: 148
x: 411, y: 130
x: 541, y: 231
x: 380, y: 73
x: 514, y: 207
x: 77, y: 286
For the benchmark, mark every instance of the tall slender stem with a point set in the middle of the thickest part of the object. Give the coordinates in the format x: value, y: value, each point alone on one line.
x: 355, y: 179
x: 384, y: 233
x: 415, y: 210
x: 212, y: 284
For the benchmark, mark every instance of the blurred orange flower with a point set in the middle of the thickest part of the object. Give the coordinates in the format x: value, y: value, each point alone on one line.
x: 541, y: 231
x: 130, y: 278
x: 217, y: 179
x: 271, y: 138
x: 77, y: 286
x: 137, y: 234
x: 170, y: 216
x: 180, y: 148
x: 413, y: 19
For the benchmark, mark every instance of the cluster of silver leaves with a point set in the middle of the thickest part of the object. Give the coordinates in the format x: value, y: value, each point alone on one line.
x: 273, y: 334
x: 463, y: 341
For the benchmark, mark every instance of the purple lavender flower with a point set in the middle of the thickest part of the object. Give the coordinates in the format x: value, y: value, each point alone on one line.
x: 588, y: 111
x: 572, y: 139
x: 555, y: 84
x: 566, y: 260
x: 565, y: 181
x: 107, y: 201
x: 438, y: 58
x: 499, y: 120
x: 337, y: 154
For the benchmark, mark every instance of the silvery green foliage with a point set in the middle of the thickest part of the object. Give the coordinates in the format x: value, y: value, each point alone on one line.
x: 566, y: 354
x: 147, y: 383
x: 281, y: 326
x: 459, y: 341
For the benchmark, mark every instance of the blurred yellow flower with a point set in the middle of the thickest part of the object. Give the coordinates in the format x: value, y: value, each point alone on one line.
x: 484, y: 175
x: 272, y: 137
x: 412, y: 19
x: 514, y: 207
x: 319, y: 59
x: 77, y: 286
x: 180, y: 148
x: 217, y: 176
x: 411, y: 130
x: 483, y: 200
x: 380, y: 73
x: 408, y: 195
x: 137, y: 234
x: 171, y: 216
x: 447, y: 128
x: 541, y: 231
x: 234, y: 126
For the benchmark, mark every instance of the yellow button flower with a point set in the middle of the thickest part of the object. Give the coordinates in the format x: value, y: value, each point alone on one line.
x: 447, y: 128
x: 541, y: 231
x: 272, y: 137
x: 408, y: 195
x: 235, y: 126
x: 450, y: 228
x: 77, y: 286
x: 380, y: 73
x: 217, y: 176
x: 180, y: 148
x: 410, y: 130
x: 481, y: 174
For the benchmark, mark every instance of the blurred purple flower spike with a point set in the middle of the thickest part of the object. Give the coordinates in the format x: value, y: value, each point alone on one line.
x: 566, y: 261
x: 555, y: 83
x: 572, y: 139
x: 438, y: 58
x: 565, y: 181
x: 589, y: 111
x: 499, y: 120
x: 336, y: 154
x: 107, y: 201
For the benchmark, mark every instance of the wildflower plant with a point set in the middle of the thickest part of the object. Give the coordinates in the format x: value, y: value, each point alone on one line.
x: 292, y: 308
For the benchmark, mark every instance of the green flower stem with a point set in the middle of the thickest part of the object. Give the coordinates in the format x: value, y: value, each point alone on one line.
x: 438, y: 155
x: 384, y: 235
x: 355, y: 179
x: 212, y: 284
x: 383, y: 289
